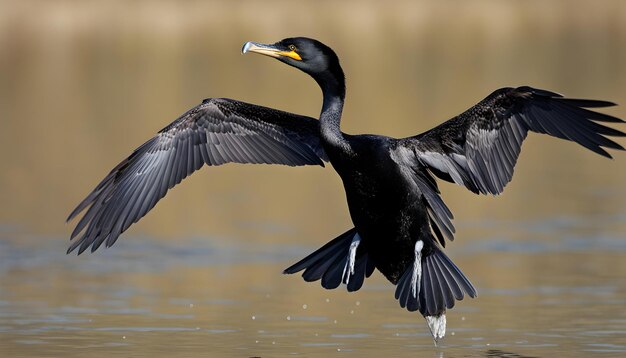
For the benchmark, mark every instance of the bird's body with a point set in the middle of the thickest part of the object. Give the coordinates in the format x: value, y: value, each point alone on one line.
x: 400, y: 221
x: 385, y: 206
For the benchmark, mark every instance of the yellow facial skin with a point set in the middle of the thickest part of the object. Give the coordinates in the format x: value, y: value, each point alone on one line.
x: 292, y: 54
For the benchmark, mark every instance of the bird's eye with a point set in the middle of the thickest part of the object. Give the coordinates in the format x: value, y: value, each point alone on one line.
x: 292, y: 47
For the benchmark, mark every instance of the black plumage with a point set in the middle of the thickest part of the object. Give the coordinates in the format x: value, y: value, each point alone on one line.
x: 216, y: 132
x: 400, y: 221
x: 479, y: 148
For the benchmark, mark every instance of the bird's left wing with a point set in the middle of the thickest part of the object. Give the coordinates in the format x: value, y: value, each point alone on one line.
x: 479, y: 148
x: 216, y: 132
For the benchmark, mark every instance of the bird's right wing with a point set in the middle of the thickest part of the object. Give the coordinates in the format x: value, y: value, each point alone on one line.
x: 218, y: 131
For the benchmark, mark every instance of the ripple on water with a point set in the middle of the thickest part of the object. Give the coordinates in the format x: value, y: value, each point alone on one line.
x: 30, y: 341
x: 321, y: 344
x: 602, y: 333
x: 351, y: 335
x: 127, y: 311
x: 605, y: 348
x: 49, y: 319
x: 224, y: 302
x: 143, y: 329
x: 219, y: 331
x: 172, y: 316
x: 309, y: 318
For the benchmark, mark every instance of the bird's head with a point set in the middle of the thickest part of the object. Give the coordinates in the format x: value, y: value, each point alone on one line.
x: 308, y: 55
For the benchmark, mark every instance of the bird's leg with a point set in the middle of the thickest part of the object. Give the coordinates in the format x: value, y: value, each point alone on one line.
x: 348, y: 269
x: 417, y: 269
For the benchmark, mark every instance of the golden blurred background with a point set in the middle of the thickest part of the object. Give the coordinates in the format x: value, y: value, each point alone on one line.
x: 83, y: 83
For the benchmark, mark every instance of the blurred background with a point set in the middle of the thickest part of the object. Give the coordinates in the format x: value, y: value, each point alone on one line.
x: 83, y: 83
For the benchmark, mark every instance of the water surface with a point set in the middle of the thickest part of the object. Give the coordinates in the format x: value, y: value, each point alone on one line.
x: 545, y: 297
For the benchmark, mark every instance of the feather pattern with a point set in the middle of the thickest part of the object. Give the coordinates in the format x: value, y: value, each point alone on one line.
x: 329, y: 262
x: 216, y: 132
x: 479, y: 148
x: 441, y: 283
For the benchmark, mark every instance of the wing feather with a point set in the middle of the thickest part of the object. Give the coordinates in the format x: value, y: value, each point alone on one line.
x: 216, y: 132
x: 479, y: 148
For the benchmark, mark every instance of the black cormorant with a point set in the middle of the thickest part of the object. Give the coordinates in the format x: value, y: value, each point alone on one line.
x: 400, y: 221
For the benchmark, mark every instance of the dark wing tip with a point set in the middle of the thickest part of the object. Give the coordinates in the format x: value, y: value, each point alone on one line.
x: 122, y: 198
x: 569, y: 118
x: 526, y: 90
x: 588, y: 103
x: 78, y: 209
x: 73, y: 247
x: 71, y: 216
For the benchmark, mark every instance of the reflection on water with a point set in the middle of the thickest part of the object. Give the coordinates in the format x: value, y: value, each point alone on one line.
x: 83, y: 83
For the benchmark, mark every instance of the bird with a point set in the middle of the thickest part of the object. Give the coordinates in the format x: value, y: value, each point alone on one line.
x: 400, y: 222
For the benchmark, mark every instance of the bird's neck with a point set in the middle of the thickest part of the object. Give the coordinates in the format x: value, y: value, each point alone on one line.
x: 330, y: 117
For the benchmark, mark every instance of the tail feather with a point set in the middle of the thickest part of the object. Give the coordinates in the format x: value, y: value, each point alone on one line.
x: 318, y: 268
x: 440, y: 284
x: 333, y: 276
x: 433, y: 296
x: 454, y: 287
x: 444, y: 284
x: 334, y: 263
x: 457, y: 275
x: 331, y: 247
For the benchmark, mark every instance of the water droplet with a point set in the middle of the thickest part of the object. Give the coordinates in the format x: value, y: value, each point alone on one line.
x: 288, y: 318
x: 304, y: 306
x: 452, y: 333
x: 335, y: 321
x: 338, y: 349
x: 327, y: 300
x: 273, y: 342
x: 462, y: 318
x: 357, y: 303
x: 191, y: 305
x: 253, y: 318
x: 123, y: 337
x: 351, y: 311
x: 256, y: 341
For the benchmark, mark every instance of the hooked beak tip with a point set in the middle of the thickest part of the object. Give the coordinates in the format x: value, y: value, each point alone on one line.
x: 246, y: 47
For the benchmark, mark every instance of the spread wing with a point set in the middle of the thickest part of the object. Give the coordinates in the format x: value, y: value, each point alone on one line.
x: 479, y: 148
x: 218, y: 131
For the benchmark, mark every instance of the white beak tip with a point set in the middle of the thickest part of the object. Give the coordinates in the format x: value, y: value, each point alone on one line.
x: 246, y: 47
